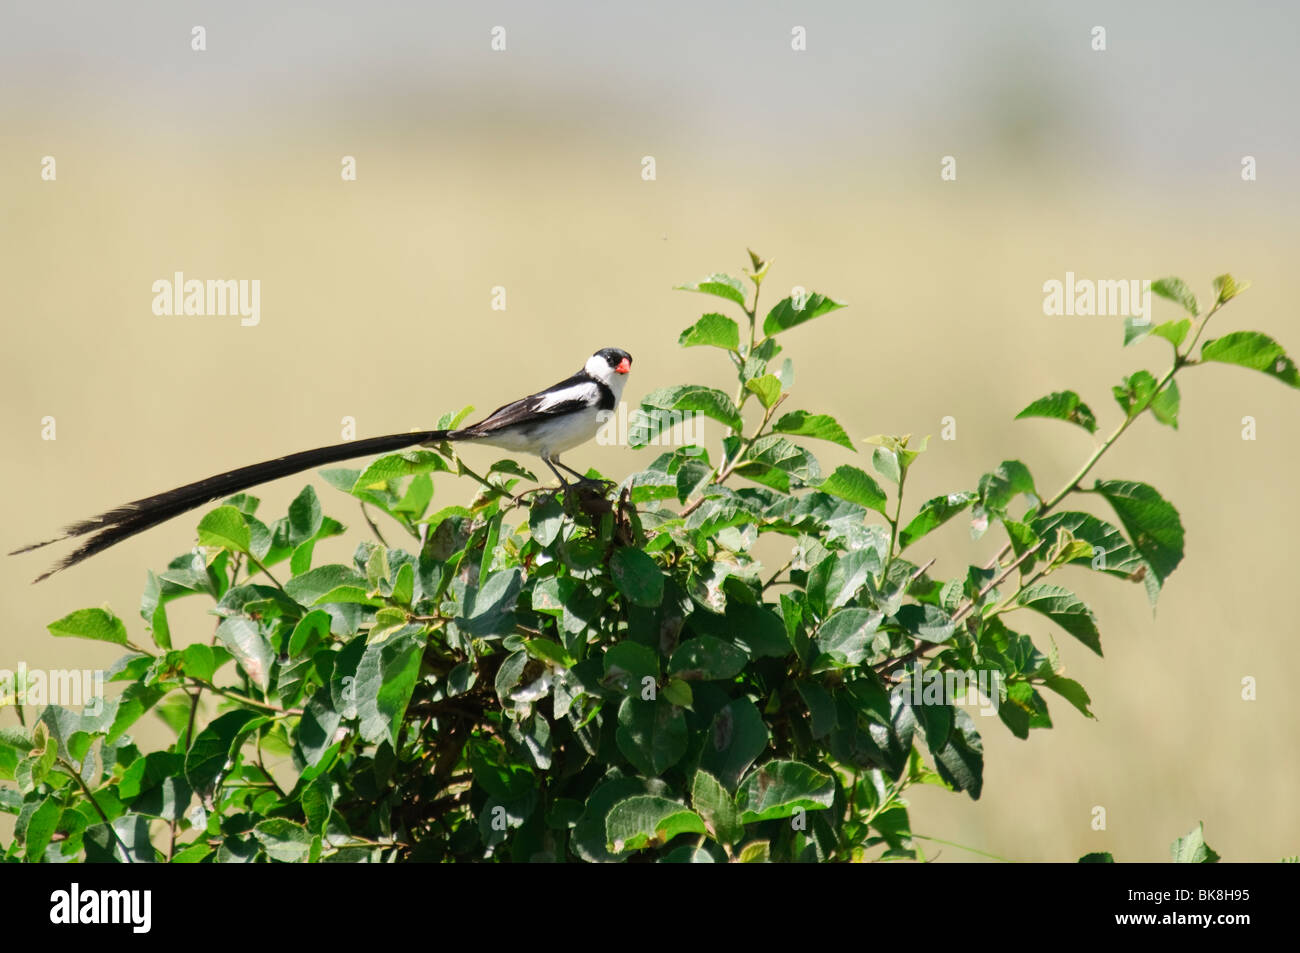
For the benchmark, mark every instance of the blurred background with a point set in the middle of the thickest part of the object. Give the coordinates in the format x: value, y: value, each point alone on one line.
x: 522, y: 169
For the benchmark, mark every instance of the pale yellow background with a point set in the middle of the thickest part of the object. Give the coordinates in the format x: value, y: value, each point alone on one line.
x: 523, y: 169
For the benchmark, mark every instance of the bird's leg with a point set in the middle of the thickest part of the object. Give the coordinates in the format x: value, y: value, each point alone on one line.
x: 582, y: 479
x: 546, y: 458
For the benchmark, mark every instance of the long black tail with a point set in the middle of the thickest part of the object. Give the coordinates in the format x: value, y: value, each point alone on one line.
x: 136, y: 517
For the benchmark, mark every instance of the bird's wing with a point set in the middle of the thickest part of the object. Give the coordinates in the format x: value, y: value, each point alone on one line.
x: 576, y: 393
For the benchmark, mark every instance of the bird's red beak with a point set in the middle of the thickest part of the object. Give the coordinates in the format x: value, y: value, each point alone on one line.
x: 624, y: 366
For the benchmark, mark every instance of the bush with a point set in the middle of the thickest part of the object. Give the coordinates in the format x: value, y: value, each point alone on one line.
x: 600, y: 675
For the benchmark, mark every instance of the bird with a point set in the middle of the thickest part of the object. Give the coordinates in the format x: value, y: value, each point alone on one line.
x: 544, y: 424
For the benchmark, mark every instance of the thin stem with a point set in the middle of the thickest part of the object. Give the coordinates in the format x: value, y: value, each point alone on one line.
x: 962, y: 611
x: 189, y: 726
x: 734, y: 462
x: 982, y: 853
x: 258, y: 563
x: 751, y: 313
x: 85, y: 789
x: 246, y: 699
x: 496, y: 490
x: 1181, y: 359
x: 893, y: 524
x: 788, y: 563
x: 265, y: 772
x: 373, y: 527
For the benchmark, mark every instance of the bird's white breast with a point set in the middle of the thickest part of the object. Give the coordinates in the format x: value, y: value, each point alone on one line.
x: 550, y: 437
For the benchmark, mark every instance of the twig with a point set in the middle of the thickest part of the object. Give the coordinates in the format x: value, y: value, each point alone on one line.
x: 734, y: 462
x: 85, y: 789
x: 373, y: 527
x: 258, y: 563
x: 247, y: 700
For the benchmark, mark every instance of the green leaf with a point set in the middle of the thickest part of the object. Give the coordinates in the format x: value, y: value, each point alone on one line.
x: 548, y: 651
x: 1097, y: 857
x: 645, y: 821
x: 785, y: 316
x: 1062, y: 405
x: 1164, y: 406
x: 998, y: 488
x: 315, y: 623
x: 97, y: 624
x: 821, y: 707
x: 545, y: 520
x: 933, y: 514
x: 1071, y: 691
x: 1173, y: 331
x: 1192, y: 849
x: 1111, y: 551
x: 773, y: 451
x: 317, y: 802
x: 192, y: 854
x: 207, y: 757
x: 1151, y: 522
x: 714, y: 330
x: 1176, y: 290
x: 651, y: 734
x: 1135, y: 392
x: 836, y: 579
x: 496, y: 772
x: 396, y: 465
x: 823, y: 427
x: 250, y: 648
x: 637, y: 576
x: 512, y: 468
x: 885, y: 460
x: 225, y: 528
x: 961, y: 761
x: 1226, y: 288
x: 385, y: 679
x: 417, y: 496
x: 153, y: 610
x: 782, y: 788
x: 925, y: 622
x: 628, y: 664
x: 404, y: 585
x: 311, y: 586
x: 1254, y: 350
x: 707, y: 657
x: 305, y: 517
x: 1136, y: 329
x: 846, y: 635
x: 694, y: 398
x: 40, y: 828
x: 679, y: 693
x: 1065, y: 609
x: 717, y: 808
x: 735, y: 738
x: 155, y: 785
x: 767, y: 387
x: 723, y: 286
x: 856, y: 486
x: 283, y: 840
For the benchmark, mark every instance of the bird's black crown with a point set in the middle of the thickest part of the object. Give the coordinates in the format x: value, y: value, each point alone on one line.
x: 614, y: 356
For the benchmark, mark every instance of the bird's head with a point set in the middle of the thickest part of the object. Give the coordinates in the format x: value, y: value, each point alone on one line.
x: 611, y: 365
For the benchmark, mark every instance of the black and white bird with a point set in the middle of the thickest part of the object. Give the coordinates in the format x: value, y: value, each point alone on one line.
x: 544, y: 424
